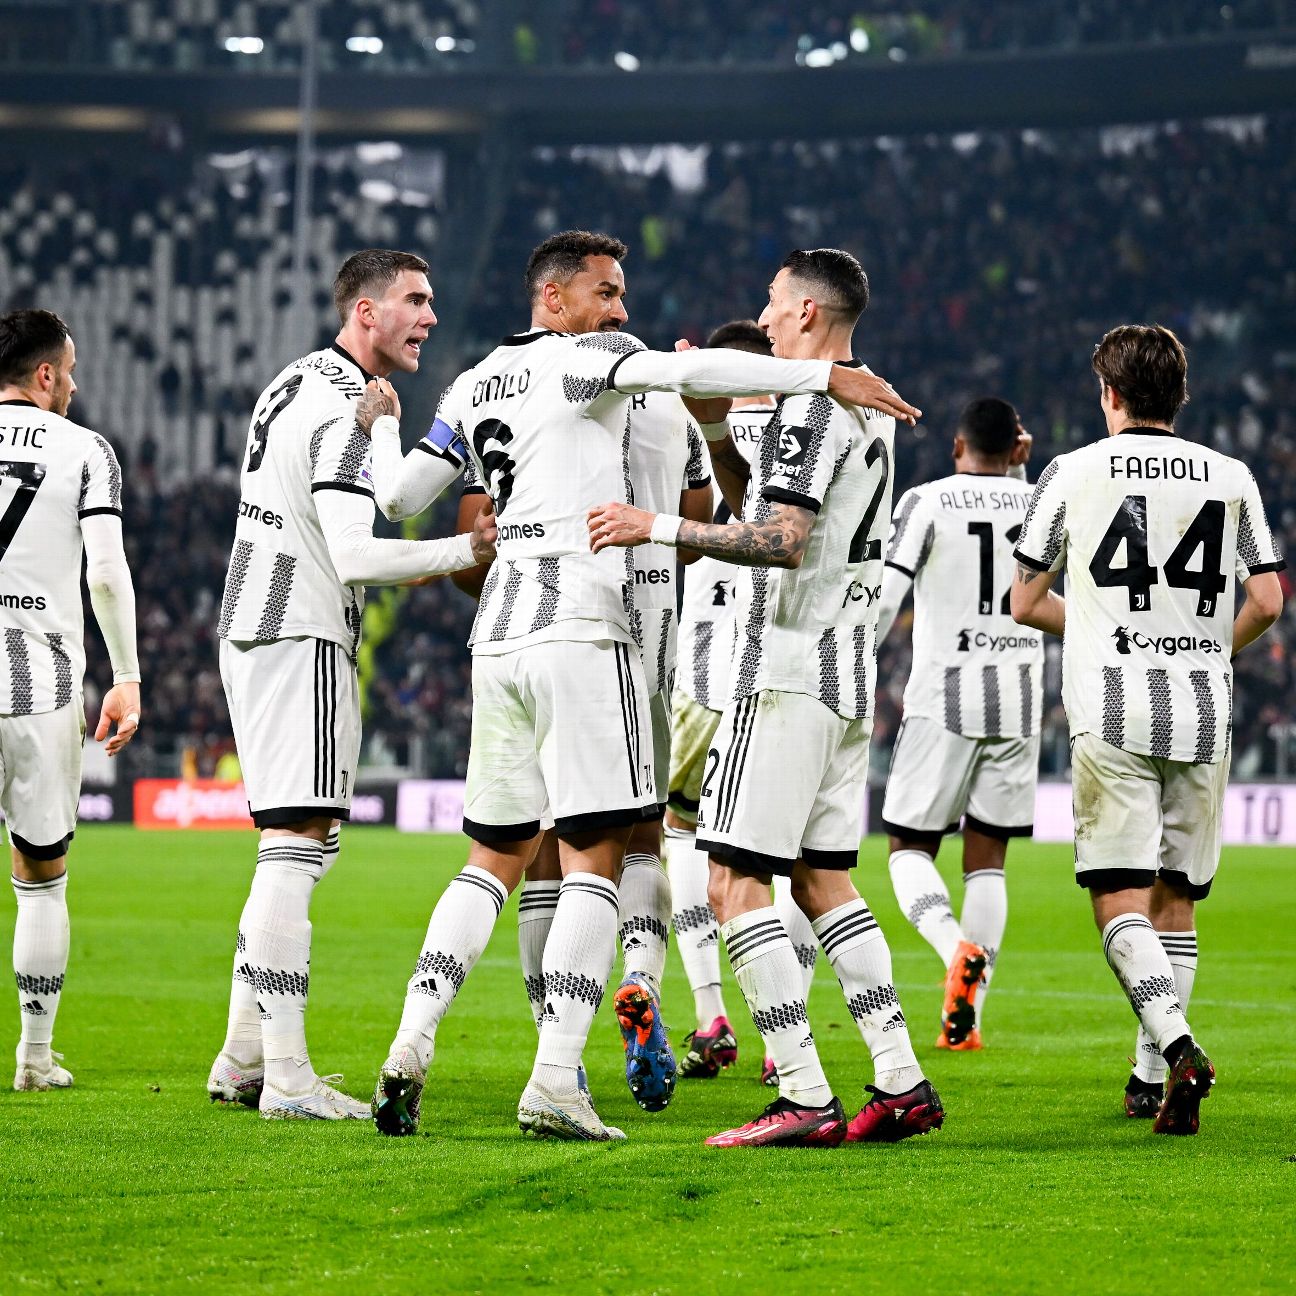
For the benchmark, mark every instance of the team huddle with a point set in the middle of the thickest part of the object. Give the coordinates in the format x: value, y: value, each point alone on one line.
x: 684, y: 564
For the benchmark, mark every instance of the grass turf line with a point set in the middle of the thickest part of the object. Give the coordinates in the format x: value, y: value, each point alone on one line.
x: 133, y: 1182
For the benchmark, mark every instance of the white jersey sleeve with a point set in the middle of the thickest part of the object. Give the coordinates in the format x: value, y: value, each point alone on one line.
x: 1153, y: 532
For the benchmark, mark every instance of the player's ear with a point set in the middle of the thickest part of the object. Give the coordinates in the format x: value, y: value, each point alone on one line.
x: 366, y: 311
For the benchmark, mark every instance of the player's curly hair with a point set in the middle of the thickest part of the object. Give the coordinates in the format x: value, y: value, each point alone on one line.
x: 369, y: 274
x: 836, y: 276
x: 29, y: 338
x: 1147, y: 364
x: 562, y: 255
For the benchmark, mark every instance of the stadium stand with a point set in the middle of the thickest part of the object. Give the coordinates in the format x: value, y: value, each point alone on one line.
x: 997, y: 260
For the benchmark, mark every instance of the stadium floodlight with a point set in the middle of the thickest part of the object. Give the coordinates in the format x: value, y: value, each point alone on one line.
x: 445, y: 44
x: 364, y: 44
x: 625, y: 61
x: 244, y: 44
x: 817, y: 58
x: 838, y: 50
x: 859, y: 40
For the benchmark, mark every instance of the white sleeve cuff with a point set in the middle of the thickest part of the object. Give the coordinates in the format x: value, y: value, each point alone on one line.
x: 666, y: 528
x: 715, y: 431
x: 385, y: 425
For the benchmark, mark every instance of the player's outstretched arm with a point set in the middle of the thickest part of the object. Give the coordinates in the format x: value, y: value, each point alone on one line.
x: 361, y: 558
x: 1033, y: 602
x: 1261, y: 607
x: 778, y: 541
x: 112, y: 598
x: 404, y: 484
x: 722, y: 372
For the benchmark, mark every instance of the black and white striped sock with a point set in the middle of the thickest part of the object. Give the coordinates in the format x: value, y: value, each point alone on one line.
x: 1181, y: 949
x: 537, y: 904
x: 577, y: 960
x: 1143, y: 969
x: 769, y: 975
x: 458, y: 930
x: 859, y: 954
x: 40, y: 959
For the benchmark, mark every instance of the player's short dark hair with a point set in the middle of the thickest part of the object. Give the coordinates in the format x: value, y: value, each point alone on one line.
x: 369, y: 274
x: 29, y: 338
x: 741, y: 335
x: 989, y: 426
x: 836, y: 275
x: 562, y: 255
x: 1147, y: 364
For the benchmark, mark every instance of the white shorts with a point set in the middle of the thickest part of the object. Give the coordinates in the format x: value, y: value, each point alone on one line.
x: 295, y: 708
x: 1137, y: 817
x: 693, y: 726
x: 659, y: 715
x: 938, y: 777
x: 40, y: 778
x: 784, y: 780
x: 562, y: 738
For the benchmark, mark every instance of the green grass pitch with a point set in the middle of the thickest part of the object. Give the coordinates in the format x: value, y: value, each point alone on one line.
x: 133, y: 1182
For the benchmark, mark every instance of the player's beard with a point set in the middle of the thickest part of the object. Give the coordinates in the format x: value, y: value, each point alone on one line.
x: 61, y: 397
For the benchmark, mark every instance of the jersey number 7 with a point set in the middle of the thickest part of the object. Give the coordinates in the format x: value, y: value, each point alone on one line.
x: 1205, y: 532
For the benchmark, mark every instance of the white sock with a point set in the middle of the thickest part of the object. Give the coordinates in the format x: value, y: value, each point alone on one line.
x: 799, y: 931
x: 985, y: 915
x: 769, y: 976
x: 40, y: 959
x: 923, y: 897
x: 458, y: 930
x: 859, y: 954
x: 644, y: 897
x: 332, y: 849
x: 577, y: 961
x: 274, y: 954
x: 697, y: 935
x: 1181, y: 949
x: 1143, y: 969
x: 536, y: 905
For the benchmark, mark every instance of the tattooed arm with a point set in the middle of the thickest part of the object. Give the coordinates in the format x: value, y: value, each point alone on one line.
x: 779, y: 541
x: 1033, y: 602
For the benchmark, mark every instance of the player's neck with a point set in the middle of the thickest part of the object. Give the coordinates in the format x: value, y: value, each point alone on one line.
x: 26, y: 395
x: 362, y: 353
x: 1121, y: 422
x: 981, y: 467
x: 828, y: 344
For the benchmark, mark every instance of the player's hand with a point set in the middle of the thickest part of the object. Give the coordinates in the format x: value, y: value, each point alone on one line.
x: 484, y: 535
x: 121, y: 706
x: 1022, y: 450
x: 711, y: 410
x: 856, y: 387
x: 379, y: 398
x: 619, y: 524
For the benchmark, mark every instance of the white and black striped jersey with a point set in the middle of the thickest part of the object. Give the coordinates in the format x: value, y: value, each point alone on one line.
x: 666, y: 459
x: 1152, y: 532
x: 975, y: 670
x: 549, y: 439
x: 813, y: 629
x: 53, y: 473
x: 281, y: 582
x: 706, y: 631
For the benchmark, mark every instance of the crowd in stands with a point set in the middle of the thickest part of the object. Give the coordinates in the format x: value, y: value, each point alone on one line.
x: 996, y: 263
x: 414, y: 35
